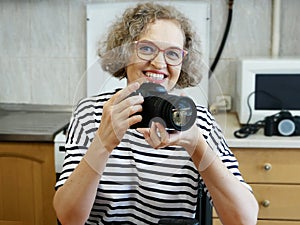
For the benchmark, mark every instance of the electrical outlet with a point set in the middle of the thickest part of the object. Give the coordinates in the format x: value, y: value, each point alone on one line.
x: 223, y: 102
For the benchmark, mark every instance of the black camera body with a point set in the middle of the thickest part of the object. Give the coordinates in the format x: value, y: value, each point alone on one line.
x: 282, y: 124
x: 174, y: 112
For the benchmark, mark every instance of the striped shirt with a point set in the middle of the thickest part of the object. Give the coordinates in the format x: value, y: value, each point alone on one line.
x: 140, y: 184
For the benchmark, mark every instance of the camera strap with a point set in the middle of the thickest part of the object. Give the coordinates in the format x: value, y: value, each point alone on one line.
x: 249, y: 129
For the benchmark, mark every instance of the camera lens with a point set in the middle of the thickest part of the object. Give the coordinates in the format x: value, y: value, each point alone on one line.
x: 174, y: 112
x: 180, y: 117
x: 286, y: 127
x: 183, y: 113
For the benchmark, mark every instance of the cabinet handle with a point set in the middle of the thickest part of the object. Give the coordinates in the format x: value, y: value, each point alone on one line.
x: 265, y: 203
x: 267, y: 166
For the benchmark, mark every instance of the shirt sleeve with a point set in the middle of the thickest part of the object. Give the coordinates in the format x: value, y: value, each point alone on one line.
x: 77, y: 142
x: 215, y: 139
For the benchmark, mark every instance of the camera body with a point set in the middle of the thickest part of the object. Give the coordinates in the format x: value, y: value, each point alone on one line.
x: 174, y: 112
x: 282, y: 124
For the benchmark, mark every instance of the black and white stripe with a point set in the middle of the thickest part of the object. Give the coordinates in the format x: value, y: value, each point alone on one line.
x: 139, y: 184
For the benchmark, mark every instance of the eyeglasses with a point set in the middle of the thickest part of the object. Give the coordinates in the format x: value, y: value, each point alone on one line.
x: 148, y: 51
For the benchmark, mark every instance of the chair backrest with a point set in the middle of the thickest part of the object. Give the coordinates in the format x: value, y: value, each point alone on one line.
x: 204, y: 208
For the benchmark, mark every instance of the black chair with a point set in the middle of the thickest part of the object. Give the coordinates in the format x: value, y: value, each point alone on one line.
x: 204, y: 208
x: 203, y: 213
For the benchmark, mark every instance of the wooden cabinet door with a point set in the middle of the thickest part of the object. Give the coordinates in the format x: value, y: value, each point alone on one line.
x: 27, y: 179
x: 280, y: 202
x: 269, y: 165
x: 277, y: 222
x: 264, y: 222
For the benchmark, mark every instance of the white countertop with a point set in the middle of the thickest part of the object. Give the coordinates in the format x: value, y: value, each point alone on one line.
x: 229, y: 123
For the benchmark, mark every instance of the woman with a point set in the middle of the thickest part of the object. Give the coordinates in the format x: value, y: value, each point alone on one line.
x: 115, y: 174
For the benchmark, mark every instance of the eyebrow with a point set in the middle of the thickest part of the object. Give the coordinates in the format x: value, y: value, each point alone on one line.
x: 155, y: 43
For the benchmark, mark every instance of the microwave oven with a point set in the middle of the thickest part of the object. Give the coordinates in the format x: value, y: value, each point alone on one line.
x: 265, y: 86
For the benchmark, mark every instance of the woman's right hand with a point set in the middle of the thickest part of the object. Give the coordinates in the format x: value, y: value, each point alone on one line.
x: 118, y: 116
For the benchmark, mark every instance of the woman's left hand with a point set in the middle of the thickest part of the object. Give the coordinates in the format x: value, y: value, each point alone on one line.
x: 158, y: 137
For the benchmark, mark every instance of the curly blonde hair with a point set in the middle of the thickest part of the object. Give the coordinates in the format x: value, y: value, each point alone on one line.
x: 116, y: 50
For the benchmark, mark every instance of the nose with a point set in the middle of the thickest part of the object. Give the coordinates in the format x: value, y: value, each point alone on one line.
x: 159, y: 61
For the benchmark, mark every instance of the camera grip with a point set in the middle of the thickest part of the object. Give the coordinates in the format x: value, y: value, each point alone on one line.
x: 269, y: 127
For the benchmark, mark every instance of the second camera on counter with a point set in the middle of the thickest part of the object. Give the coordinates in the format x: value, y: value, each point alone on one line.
x: 282, y: 124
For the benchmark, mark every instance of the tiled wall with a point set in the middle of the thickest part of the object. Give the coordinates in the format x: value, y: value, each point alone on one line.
x: 43, y: 46
x: 42, y: 50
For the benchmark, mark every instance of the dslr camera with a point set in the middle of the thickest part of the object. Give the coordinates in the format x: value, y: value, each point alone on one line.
x: 282, y: 124
x: 172, y: 111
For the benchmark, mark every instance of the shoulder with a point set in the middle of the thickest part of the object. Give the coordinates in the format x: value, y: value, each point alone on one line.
x: 207, y: 123
x: 204, y: 117
x: 92, y: 104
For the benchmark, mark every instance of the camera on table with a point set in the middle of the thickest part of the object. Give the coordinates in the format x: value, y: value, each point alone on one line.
x: 282, y: 124
x: 174, y: 112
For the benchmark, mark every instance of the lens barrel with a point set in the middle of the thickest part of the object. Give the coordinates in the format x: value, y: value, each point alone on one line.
x: 174, y: 112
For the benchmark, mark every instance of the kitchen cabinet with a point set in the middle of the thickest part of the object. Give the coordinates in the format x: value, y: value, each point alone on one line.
x: 27, y: 179
x: 271, y: 166
x: 274, y: 176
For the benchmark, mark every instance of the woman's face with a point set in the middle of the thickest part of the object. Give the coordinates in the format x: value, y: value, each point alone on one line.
x: 163, y: 34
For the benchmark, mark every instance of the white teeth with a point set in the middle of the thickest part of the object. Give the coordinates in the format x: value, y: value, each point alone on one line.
x: 155, y: 76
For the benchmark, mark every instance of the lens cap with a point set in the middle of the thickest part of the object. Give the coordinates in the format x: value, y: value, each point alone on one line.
x: 286, y: 127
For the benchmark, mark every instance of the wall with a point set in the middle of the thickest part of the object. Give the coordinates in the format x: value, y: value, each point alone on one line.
x: 43, y: 50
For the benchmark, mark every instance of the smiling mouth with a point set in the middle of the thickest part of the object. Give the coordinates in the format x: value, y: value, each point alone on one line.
x: 155, y: 76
